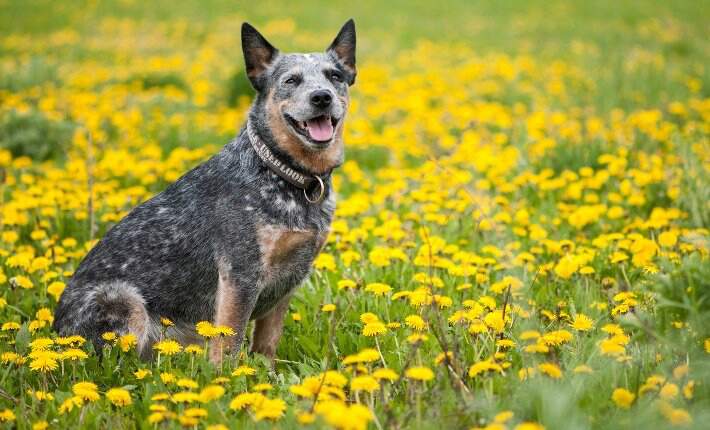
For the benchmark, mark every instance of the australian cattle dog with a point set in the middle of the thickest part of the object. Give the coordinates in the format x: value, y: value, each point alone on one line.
x: 230, y: 240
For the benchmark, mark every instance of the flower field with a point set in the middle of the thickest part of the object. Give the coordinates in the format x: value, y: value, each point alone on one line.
x: 521, y: 238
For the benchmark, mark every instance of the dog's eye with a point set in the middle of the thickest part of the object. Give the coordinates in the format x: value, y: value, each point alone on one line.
x: 292, y: 80
x: 336, y: 76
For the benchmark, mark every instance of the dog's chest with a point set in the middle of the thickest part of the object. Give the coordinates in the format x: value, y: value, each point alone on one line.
x: 286, y: 254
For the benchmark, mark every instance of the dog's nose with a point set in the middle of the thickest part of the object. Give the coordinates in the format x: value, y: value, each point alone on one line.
x: 321, y: 98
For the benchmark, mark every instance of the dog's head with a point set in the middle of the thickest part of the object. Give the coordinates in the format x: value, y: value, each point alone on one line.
x: 302, y: 98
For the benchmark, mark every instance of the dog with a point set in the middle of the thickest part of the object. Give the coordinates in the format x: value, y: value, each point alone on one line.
x: 230, y: 240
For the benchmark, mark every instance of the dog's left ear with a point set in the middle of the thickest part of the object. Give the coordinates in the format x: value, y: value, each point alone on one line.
x: 343, y: 49
x: 259, y: 54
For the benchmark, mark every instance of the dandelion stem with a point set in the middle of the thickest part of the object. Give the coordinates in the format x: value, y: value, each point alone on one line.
x: 377, y: 343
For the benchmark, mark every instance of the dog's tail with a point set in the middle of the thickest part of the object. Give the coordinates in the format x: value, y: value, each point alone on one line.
x: 116, y: 307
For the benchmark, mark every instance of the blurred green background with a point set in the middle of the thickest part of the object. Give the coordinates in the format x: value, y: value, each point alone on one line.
x: 598, y: 35
x: 536, y: 26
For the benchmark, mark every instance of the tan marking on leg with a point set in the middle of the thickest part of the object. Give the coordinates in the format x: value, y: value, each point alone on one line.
x: 319, y: 162
x: 268, y: 330
x: 139, y: 324
x: 226, y: 314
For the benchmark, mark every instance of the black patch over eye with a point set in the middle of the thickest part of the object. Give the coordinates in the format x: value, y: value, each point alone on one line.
x: 336, y: 76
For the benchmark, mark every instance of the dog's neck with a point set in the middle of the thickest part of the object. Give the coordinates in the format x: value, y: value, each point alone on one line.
x: 314, y: 186
x: 270, y: 126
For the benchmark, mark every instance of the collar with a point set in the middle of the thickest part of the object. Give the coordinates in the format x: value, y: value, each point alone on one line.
x: 307, y: 182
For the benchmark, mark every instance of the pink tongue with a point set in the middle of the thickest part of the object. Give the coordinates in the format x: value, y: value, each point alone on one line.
x: 320, y: 128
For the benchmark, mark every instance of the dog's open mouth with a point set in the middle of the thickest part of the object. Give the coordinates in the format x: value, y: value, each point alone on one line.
x: 319, y: 129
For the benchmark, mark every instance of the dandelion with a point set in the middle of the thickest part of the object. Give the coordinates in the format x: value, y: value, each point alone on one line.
x: 119, y: 397
x: 582, y: 323
x: 245, y: 399
x: 186, y: 383
x: 669, y: 391
x: 167, y: 347
x: 44, y: 362
x: 142, y: 373
x: 41, y: 344
x: 88, y: 391
x: 374, y: 329
x: 347, y: 284
x: 244, y: 371
x: 675, y: 416
x: 109, y: 336
x: 528, y: 425
x: 10, y: 357
x: 551, y: 370
x: 328, y: 308
x: 127, y: 341
x: 167, y: 378
x: 55, y: 289
x: 40, y: 425
x: 386, y: 374
x: 211, y: 392
x: 378, y: 289
x: 269, y: 409
x: 623, y: 398
x: 206, y: 329
x: 484, y: 366
x: 419, y: 373
x: 7, y: 415
x: 10, y: 326
x: 194, y: 349
x: 23, y: 282
x: 262, y: 387
x: 364, y: 383
x: 185, y: 397
x: 415, y: 322
x: 325, y: 262
x: 305, y: 418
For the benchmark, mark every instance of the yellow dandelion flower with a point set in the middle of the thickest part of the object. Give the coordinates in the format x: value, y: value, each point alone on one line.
x: 269, y: 409
x: 415, y: 322
x: 7, y: 416
x: 582, y: 323
x: 623, y: 398
x: 386, y: 374
x: 419, y: 373
x: 551, y: 370
x: 211, y: 392
x: 346, y: 284
x: 142, y: 373
x: 374, y: 329
x: 167, y: 347
x: 364, y: 383
x: 262, y: 387
x: 119, y: 397
x: 244, y: 371
x: 378, y: 289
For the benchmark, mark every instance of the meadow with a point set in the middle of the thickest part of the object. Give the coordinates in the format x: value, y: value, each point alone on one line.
x: 521, y: 238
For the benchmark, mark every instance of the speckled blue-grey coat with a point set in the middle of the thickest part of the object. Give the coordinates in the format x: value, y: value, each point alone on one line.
x: 230, y: 240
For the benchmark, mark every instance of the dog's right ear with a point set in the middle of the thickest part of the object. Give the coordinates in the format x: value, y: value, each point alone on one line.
x: 259, y: 54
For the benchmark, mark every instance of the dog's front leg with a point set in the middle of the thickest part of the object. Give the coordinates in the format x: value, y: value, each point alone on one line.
x: 268, y: 330
x: 234, y: 304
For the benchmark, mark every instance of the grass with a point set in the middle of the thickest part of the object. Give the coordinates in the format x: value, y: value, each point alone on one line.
x: 525, y: 189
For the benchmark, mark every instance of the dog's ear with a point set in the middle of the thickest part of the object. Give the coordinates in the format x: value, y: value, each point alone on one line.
x: 259, y: 54
x: 343, y: 49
